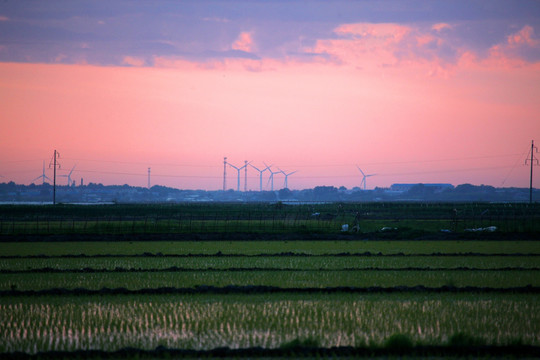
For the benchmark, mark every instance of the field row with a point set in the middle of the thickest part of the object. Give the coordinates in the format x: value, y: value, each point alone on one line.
x: 407, y: 227
x: 208, y: 321
x: 284, y: 279
x: 273, y: 262
x: 268, y: 247
x: 222, y: 211
x: 266, y: 218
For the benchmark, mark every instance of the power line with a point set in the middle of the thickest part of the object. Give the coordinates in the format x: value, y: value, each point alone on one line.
x: 410, y: 173
x: 18, y: 161
x: 141, y: 163
x: 411, y: 161
x: 146, y: 174
x: 515, y: 164
x: 302, y: 166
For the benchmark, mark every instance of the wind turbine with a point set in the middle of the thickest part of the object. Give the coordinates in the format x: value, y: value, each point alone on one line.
x: 286, y: 176
x: 271, y: 178
x: 69, y: 175
x: 260, y: 174
x: 364, y: 177
x: 238, y: 169
x: 42, y: 176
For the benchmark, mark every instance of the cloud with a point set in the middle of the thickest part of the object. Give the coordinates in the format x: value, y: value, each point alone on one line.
x: 4, y: 18
x: 523, y: 37
x: 133, y: 61
x: 520, y: 48
x: 381, y: 46
x: 244, y: 42
x: 441, y: 26
x: 434, y: 50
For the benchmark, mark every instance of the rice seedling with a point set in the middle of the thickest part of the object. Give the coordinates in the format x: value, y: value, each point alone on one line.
x: 206, y: 322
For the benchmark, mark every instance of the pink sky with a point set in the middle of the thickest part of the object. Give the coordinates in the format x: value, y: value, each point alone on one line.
x: 377, y: 96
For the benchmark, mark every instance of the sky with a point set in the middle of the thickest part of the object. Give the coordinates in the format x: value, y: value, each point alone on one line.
x: 407, y: 91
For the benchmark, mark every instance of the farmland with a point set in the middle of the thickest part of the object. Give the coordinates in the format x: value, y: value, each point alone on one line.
x: 348, y: 292
x: 403, y: 220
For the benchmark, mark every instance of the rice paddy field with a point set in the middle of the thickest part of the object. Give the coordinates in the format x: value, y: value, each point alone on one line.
x: 265, y: 299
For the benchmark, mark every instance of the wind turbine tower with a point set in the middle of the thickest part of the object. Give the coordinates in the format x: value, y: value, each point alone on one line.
x: 69, y: 182
x: 364, y: 177
x: 42, y: 176
x: 149, y: 178
x: 271, y: 178
x: 225, y: 173
x: 245, y: 175
x: 286, y: 176
x: 238, y: 169
x: 260, y: 175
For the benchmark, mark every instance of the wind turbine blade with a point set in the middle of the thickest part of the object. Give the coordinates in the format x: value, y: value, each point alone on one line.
x: 360, y: 170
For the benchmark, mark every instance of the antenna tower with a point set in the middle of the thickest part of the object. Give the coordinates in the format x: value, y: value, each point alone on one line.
x: 225, y: 173
x: 54, y: 164
x: 534, y: 161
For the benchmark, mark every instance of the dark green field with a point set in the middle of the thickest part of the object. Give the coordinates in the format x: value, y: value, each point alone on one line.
x: 400, y: 220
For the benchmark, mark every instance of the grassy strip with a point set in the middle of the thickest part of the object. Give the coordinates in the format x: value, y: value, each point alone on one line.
x: 282, y: 279
x: 262, y: 289
x: 267, y: 247
x: 50, y: 270
x: 271, y: 262
x: 295, y: 350
x: 282, y: 254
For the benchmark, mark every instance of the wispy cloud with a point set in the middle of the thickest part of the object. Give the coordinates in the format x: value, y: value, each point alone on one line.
x: 244, y: 42
x: 133, y: 61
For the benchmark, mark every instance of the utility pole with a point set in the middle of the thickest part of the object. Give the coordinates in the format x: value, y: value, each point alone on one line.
x: 149, y: 178
x: 245, y: 175
x: 54, y: 165
x: 533, y: 161
x: 225, y: 173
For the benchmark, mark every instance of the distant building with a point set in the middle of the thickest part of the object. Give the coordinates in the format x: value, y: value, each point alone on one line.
x: 407, y: 187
